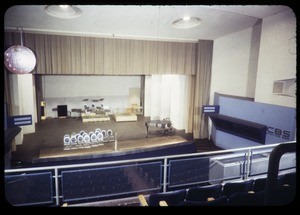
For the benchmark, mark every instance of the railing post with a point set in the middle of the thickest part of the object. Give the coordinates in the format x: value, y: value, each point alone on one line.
x: 248, y: 164
x: 116, y: 142
x: 56, y: 186
x: 165, y: 175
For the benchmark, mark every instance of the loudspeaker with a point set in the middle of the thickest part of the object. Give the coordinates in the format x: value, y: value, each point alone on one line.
x: 62, y: 110
x: 43, y: 112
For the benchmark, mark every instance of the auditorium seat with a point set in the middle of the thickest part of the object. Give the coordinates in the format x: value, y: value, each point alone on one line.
x: 283, y: 195
x: 259, y: 184
x: 290, y: 179
x: 237, y: 187
x: 172, y: 198
x: 220, y: 201
x: 247, y: 199
x: 202, y: 193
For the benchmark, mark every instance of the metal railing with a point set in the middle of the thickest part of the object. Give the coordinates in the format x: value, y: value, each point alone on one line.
x: 156, y: 174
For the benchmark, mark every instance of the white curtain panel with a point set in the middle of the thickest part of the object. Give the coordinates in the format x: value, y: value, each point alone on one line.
x: 167, y: 96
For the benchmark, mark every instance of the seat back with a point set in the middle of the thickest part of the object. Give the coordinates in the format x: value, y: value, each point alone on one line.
x: 171, y: 198
x: 202, y: 193
x: 290, y: 179
x: 259, y: 184
x: 220, y: 201
x: 237, y: 187
x: 247, y: 199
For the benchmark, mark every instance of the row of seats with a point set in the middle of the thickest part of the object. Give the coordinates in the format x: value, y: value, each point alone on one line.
x: 251, y: 192
x: 87, y: 140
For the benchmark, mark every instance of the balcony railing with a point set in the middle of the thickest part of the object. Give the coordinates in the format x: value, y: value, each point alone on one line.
x: 56, y: 185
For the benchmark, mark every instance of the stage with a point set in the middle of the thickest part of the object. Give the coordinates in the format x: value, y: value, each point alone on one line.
x: 129, y: 149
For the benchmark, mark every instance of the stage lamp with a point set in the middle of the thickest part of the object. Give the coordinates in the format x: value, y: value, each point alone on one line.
x: 19, y: 59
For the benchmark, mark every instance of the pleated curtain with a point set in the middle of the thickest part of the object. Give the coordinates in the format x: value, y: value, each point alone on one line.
x: 202, y: 88
x: 78, y: 55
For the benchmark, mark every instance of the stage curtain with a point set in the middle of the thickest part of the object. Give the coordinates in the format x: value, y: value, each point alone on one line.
x: 202, y: 88
x: 190, y: 103
x: 167, y: 96
x: 79, y: 55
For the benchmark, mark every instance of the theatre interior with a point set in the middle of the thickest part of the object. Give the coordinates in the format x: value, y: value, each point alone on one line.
x: 149, y: 105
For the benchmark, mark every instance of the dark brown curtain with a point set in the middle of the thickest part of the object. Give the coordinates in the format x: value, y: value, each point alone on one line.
x: 39, y: 94
x: 202, y: 88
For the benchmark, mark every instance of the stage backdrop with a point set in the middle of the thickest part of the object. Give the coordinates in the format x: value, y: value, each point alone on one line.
x: 280, y: 121
x: 75, y: 91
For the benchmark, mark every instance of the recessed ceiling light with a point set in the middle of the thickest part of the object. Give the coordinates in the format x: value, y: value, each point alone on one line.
x: 64, y: 6
x: 186, y: 18
x: 186, y: 22
x: 63, y: 11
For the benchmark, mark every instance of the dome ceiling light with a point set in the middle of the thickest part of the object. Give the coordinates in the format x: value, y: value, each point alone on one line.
x: 63, y: 11
x: 186, y: 22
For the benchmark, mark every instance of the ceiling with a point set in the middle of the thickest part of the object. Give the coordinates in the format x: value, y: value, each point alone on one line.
x: 140, y: 22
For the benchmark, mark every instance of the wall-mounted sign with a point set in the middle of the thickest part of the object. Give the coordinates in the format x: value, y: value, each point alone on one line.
x: 21, y: 120
x: 208, y: 109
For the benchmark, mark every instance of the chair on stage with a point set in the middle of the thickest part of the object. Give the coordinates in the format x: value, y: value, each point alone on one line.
x: 94, y: 139
x: 80, y: 141
x: 86, y: 140
x: 67, y: 142
x: 110, y: 135
x: 97, y: 130
x: 99, y: 137
x: 73, y: 141
x: 105, y: 136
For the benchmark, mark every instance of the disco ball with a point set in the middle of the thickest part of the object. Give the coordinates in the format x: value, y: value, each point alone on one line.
x: 19, y: 59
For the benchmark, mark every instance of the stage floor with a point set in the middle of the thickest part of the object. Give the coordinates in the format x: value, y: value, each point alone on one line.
x: 107, y: 149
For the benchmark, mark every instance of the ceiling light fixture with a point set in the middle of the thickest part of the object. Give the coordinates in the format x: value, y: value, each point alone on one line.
x: 64, y: 6
x: 63, y: 11
x: 19, y: 59
x: 186, y: 18
x: 186, y: 22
